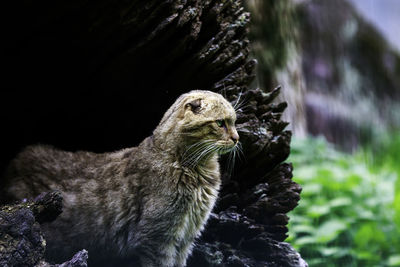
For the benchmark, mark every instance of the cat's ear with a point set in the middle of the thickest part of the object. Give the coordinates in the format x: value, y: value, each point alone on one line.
x: 194, y: 106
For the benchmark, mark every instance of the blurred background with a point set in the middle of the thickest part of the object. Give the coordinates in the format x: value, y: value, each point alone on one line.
x: 338, y: 63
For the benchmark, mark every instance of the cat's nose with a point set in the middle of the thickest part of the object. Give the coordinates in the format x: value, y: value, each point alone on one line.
x: 235, y: 137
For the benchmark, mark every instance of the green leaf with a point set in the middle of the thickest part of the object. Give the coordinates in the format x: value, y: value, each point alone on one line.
x: 312, y: 189
x: 330, y: 230
x: 367, y: 255
x: 303, y: 229
x: 349, y: 212
x: 318, y: 211
x: 394, y: 260
x: 340, y: 201
x: 369, y: 234
x: 306, y: 240
x: 330, y: 251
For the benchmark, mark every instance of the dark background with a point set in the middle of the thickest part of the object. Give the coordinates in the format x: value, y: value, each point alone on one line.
x: 76, y: 78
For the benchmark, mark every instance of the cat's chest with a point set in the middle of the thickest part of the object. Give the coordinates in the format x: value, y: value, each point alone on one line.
x: 196, y: 208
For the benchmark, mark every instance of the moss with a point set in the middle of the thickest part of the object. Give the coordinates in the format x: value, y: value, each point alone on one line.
x: 12, y: 208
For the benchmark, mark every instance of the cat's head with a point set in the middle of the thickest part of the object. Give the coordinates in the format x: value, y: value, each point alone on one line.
x: 203, y: 123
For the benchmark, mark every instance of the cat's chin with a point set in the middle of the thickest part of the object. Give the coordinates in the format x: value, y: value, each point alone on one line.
x: 226, y: 149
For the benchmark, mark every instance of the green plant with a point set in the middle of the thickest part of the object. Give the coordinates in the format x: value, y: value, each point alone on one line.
x: 348, y: 212
x: 387, y: 156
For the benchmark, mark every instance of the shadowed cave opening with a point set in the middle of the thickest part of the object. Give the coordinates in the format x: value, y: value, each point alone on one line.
x: 78, y: 87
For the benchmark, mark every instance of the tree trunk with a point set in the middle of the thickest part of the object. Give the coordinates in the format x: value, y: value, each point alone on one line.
x: 98, y: 75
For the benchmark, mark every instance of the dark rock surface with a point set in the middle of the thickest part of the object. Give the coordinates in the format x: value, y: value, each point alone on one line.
x: 22, y: 243
x: 249, y: 222
x: 106, y: 71
x: 222, y: 254
x: 21, y: 240
x: 78, y: 260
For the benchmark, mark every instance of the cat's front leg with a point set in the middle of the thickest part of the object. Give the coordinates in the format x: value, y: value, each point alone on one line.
x: 184, y: 251
x: 183, y: 256
x: 158, y: 257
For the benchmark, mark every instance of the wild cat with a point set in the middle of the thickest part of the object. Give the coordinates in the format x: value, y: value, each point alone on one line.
x: 149, y: 201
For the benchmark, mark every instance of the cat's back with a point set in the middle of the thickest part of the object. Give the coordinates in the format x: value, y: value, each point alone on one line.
x: 41, y: 168
x: 48, y: 157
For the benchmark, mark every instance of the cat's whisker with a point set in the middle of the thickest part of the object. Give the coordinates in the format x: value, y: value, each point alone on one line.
x: 199, y: 156
x: 200, y: 149
x: 223, y: 91
x: 192, y: 153
x: 233, y: 160
x: 243, y: 107
x: 207, y: 152
x: 191, y: 160
x: 197, y: 159
x: 238, y: 99
x: 196, y: 146
x: 240, y: 104
x: 240, y: 151
x: 230, y: 163
x: 188, y: 160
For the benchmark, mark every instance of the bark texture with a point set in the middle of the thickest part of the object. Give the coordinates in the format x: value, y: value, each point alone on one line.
x: 21, y: 240
x: 108, y: 70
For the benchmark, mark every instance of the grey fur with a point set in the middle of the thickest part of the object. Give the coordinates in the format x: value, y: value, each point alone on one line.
x: 152, y: 200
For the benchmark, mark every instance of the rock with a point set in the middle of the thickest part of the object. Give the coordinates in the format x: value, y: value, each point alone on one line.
x: 252, y: 254
x: 21, y: 240
x: 78, y: 260
x: 249, y: 223
x: 47, y: 206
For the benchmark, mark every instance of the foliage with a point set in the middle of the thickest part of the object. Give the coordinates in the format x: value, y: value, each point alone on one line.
x: 387, y: 156
x: 349, y: 213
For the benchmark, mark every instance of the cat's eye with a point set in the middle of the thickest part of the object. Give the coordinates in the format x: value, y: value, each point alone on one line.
x: 220, y: 123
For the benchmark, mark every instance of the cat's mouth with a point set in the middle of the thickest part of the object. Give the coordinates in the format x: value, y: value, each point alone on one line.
x: 226, y: 147
x: 200, y: 151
